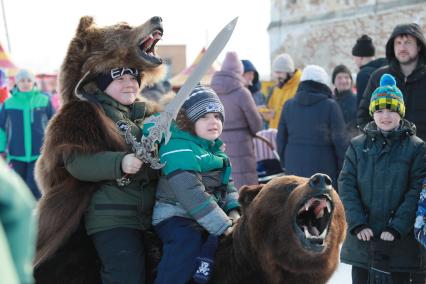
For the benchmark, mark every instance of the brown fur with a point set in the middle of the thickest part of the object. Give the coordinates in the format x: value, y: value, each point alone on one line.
x: 264, y: 247
x: 99, y: 49
x: 81, y: 127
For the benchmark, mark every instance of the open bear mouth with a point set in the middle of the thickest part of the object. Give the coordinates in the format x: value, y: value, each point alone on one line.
x: 313, y: 219
x: 147, y: 45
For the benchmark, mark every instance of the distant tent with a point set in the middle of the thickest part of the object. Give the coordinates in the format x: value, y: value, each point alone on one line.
x: 6, y: 63
x: 178, y: 80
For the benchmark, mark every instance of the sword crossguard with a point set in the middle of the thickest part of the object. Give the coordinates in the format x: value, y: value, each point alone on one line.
x: 160, y: 128
x: 144, y: 150
x: 157, y: 132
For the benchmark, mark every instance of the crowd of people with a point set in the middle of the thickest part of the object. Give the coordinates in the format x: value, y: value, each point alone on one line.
x: 367, y: 135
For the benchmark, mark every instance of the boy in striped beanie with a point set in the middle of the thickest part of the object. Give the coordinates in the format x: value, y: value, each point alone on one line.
x: 195, y: 197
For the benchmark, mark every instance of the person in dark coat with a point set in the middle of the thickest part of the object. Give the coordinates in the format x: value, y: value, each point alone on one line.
x: 242, y: 119
x: 311, y: 132
x: 342, y: 80
x: 379, y: 186
x: 363, y: 55
x: 406, y: 55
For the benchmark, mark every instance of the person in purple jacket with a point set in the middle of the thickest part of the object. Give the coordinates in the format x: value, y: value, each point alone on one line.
x: 242, y: 122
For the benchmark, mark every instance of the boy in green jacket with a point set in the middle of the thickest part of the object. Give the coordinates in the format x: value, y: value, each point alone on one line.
x: 23, y: 121
x: 379, y: 186
x: 194, y: 195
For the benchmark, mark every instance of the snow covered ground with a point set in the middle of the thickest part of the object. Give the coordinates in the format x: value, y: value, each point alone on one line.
x: 342, y: 275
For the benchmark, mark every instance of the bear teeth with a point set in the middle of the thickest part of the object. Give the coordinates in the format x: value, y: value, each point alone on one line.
x: 316, y: 234
x: 148, y: 43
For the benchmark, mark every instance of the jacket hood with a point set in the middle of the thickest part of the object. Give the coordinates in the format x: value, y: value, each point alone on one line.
x: 248, y: 66
x: 406, y: 128
x: 311, y: 92
x: 226, y: 82
x: 410, y: 29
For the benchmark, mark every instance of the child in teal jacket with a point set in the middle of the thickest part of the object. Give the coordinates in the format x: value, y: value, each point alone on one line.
x: 23, y: 120
x: 194, y: 196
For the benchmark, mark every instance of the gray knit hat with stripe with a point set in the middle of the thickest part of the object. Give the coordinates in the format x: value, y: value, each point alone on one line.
x: 202, y: 100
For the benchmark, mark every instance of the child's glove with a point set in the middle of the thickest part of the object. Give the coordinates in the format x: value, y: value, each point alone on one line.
x: 205, y: 261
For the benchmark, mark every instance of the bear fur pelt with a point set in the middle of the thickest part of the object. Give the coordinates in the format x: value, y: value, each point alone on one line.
x: 290, y: 232
x: 64, y: 253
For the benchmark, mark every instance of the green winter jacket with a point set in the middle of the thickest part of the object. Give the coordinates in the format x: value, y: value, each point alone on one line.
x: 23, y: 121
x: 379, y: 186
x: 17, y: 228
x: 195, y: 182
x: 112, y: 206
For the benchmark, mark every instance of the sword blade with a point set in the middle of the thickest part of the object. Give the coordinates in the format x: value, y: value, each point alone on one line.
x: 212, y: 52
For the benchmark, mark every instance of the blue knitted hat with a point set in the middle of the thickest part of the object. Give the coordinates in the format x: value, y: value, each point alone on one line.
x: 202, y: 100
x: 24, y: 74
x: 387, y: 96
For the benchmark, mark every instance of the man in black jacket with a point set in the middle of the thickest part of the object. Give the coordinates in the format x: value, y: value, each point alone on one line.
x: 363, y: 55
x: 406, y: 55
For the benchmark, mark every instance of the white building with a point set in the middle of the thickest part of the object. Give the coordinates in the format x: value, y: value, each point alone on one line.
x: 323, y: 32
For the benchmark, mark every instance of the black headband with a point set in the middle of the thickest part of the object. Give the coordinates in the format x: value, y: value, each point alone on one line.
x: 103, y: 80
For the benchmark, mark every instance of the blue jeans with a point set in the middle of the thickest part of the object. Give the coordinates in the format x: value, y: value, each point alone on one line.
x: 182, y: 239
x: 26, y: 171
x: 122, y: 254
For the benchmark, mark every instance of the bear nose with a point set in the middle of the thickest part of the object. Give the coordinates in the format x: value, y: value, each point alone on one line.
x: 320, y: 182
x: 156, y: 20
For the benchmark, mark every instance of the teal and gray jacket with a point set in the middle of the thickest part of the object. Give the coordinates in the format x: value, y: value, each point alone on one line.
x: 23, y: 120
x: 195, y: 182
x: 379, y: 185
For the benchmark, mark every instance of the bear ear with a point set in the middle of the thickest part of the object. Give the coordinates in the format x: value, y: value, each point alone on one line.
x: 248, y: 193
x: 85, y: 23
